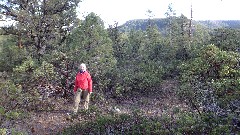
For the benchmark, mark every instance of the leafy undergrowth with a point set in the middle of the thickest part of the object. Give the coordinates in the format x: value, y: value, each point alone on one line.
x: 138, y: 124
x: 162, y: 104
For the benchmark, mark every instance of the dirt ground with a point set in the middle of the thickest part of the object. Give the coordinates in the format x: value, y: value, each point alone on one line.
x: 55, y: 121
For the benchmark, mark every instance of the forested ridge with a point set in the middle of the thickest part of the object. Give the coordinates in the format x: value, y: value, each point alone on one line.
x: 176, y: 76
x: 141, y: 24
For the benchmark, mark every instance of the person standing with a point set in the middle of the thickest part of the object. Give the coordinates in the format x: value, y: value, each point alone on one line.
x: 83, y: 85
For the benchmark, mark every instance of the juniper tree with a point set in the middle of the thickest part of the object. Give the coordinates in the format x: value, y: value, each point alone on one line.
x: 40, y: 25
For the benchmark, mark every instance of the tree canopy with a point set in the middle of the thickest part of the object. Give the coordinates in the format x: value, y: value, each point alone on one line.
x: 40, y: 25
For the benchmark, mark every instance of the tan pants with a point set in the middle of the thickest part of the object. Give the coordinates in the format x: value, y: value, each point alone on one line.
x: 77, y: 99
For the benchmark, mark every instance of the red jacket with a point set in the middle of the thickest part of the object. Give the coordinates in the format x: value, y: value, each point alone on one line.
x: 83, y: 81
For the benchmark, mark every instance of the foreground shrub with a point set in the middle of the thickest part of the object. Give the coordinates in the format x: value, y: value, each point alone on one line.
x: 210, y: 83
x: 181, y: 123
x: 11, y: 101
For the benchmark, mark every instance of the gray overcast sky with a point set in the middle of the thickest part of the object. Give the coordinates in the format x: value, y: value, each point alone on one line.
x: 124, y: 10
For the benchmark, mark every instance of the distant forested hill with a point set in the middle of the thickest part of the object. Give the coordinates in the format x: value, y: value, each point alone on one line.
x: 235, y: 24
x: 141, y: 24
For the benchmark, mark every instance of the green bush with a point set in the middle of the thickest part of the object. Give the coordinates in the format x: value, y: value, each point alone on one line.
x: 11, y: 101
x: 12, y: 96
x: 181, y: 123
x: 214, y: 71
x: 12, y: 115
x: 142, y: 77
x: 10, y: 54
x: 210, y: 83
x: 3, y: 131
x: 23, y: 73
x: 226, y: 39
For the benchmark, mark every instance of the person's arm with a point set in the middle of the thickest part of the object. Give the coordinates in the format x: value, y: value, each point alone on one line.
x: 76, y: 85
x: 89, y: 78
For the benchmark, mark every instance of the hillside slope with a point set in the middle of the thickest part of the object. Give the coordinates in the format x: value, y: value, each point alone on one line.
x: 141, y: 24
